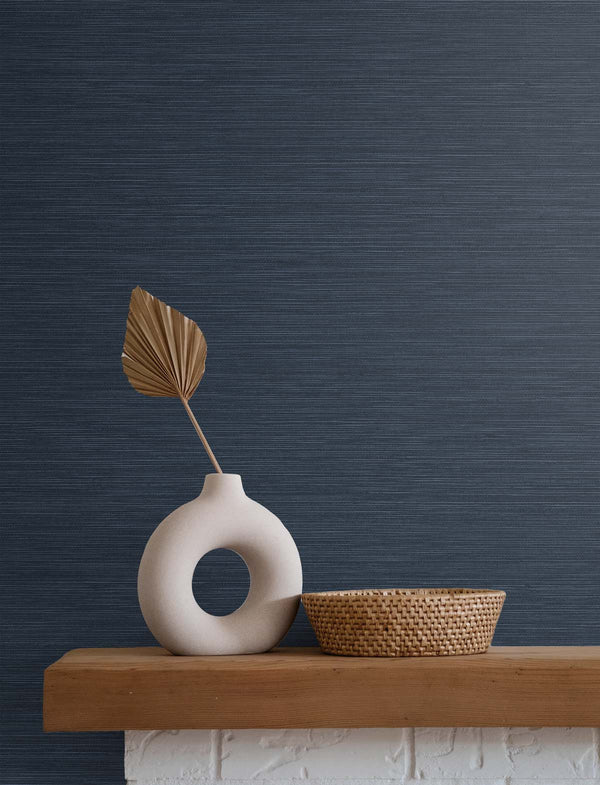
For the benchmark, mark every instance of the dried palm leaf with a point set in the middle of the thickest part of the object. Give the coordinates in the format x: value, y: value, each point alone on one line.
x: 164, y: 354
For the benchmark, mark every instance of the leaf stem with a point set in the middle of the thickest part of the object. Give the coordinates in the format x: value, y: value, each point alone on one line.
x: 206, y: 445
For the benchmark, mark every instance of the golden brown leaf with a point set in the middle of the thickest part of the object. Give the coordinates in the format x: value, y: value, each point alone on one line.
x: 164, y: 353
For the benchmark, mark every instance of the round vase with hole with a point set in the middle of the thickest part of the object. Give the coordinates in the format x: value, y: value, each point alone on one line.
x: 222, y: 516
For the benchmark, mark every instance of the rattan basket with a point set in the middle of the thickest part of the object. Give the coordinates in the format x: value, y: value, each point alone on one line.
x: 404, y: 622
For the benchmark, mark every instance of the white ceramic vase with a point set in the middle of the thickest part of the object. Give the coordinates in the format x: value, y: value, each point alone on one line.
x: 221, y: 517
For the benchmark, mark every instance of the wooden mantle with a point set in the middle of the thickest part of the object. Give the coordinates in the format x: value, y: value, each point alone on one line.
x: 148, y: 688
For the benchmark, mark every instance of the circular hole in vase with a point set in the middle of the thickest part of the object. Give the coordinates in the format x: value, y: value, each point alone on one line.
x: 221, y: 582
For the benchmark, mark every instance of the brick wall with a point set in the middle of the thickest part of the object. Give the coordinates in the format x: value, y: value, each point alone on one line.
x: 453, y: 756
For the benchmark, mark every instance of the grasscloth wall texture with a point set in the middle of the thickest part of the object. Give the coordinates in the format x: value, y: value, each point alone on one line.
x: 385, y: 217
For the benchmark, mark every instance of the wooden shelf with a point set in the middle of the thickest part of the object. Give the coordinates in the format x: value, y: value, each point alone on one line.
x: 148, y: 688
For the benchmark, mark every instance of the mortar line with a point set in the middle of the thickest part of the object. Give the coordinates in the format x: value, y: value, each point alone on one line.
x: 410, y: 762
x: 596, y: 753
x: 216, y: 754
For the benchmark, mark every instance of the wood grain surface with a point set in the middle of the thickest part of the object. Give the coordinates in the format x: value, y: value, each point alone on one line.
x: 384, y: 217
x: 123, y: 689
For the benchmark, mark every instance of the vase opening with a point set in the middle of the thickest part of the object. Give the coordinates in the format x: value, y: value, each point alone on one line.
x: 230, y: 484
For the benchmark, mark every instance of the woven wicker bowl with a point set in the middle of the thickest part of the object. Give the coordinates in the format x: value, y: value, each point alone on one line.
x: 404, y: 622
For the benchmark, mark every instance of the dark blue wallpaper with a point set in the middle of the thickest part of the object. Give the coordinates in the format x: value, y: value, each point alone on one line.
x: 386, y: 219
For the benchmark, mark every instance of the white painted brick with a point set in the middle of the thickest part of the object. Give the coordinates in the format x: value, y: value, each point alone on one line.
x: 430, y: 756
x: 180, y: 755
x: 310, y: 754
x: 518, y: 753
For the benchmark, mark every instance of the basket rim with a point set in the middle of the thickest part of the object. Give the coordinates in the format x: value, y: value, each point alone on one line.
x: 407, y: 592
